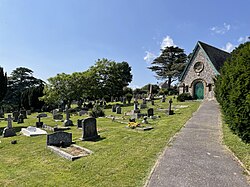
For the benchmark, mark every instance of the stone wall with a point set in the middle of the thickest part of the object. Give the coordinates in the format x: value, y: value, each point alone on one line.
x: 206, y: 75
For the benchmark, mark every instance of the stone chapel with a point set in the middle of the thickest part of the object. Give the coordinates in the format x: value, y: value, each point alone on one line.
x: 203, y: 66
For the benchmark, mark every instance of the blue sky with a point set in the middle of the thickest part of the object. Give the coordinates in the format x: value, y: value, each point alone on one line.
x: 55, y: 36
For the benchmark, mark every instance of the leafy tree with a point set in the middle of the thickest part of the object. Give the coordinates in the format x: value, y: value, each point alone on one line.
x: 3, y: 84
x: 59, y: 89
x: 109, y: 77
x: 20, y: 79
x: 170, y: 64
x: 30, y: 97
x: 232, y: 90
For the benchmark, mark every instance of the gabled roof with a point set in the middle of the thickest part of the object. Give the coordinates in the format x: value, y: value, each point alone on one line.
x: 216, y: 56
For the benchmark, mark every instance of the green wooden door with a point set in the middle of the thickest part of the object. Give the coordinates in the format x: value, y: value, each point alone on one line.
x: 199, y: 90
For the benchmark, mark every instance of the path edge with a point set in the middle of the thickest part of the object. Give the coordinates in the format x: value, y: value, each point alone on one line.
x: 169, y: 144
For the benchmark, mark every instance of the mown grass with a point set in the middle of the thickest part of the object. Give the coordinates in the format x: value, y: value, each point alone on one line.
x: 237, y: 146
x: 122, y: 157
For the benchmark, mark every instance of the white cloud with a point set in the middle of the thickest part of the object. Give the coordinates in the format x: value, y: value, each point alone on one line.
x: 229, y: 47
x: 167, y: 42
x: 221, y: 30
x: 149, y: 56
x: 243, y: 39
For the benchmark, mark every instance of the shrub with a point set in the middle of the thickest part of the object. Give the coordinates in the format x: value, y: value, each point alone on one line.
x: 96, y: 112
x: 232, y: 90
x: 184, y: 96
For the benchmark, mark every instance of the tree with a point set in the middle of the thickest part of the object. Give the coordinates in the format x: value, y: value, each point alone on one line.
x: 3, y: 84
x: 232, y: 90
x: 109, y: 78
x: 58, y: 90
x: 20, y: 79
x: 170, y: 64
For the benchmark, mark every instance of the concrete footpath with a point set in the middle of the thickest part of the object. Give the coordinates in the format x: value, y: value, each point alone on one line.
x: 197, y: 157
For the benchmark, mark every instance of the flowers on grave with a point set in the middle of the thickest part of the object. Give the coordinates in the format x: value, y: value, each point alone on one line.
x: 133, y: 125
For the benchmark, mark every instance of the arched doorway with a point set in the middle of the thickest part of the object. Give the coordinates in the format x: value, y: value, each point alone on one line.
x: 199, y: 90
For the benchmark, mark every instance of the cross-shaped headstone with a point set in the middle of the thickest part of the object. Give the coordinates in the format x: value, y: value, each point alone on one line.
x: 170, y: 112
x: 9, y: 119
x: 67, y: 112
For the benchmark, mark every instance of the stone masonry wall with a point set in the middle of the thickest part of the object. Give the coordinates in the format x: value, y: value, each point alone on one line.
x: 206, y: 75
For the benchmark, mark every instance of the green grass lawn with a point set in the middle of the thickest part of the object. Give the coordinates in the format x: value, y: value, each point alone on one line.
x: 239, y: 148
x: 122, y: 157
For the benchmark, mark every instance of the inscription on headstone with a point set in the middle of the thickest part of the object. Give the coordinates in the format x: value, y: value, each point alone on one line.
x: 89, y: 129
x: 59, y: 138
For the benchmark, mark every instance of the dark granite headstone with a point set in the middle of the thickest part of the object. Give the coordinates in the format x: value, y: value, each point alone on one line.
x: 79, y: 123
x: 23, y: 112
x: 89, y: 129
x: 58, y: 117
x: 20, y: 118
x: 113, y: 108
x: 28, y: 112
x: 118, y: 110
x: 150, y: 112
x: 15, y: 116
x: 59, y: 138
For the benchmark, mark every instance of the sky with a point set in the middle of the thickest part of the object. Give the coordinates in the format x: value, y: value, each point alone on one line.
x: 56, y: 36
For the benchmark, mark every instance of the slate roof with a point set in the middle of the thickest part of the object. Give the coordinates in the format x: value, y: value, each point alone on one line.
x: 215, y: 55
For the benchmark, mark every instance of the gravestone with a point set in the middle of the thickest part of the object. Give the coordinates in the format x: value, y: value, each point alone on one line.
x: 79, y: 123
x: 67, y: 122
x: 144, y: 101
x: 150, y: 112
x: 142, y: 106
x: 28, y: 112
x: 54, y: 112
x: 136, y: 109
x: 1, y: 113
x: 39, y: 124
x: 58, y: 117
x: 89, y: 129
x: 23, y: 112
x: 170, y: 111
x: 152, y: 102
x: 118, y: 110
x: 33, y: 131
x: 59, y: 138
x: 145, y: 120
x: 113, y: 108
x: 9, y: 131
x: 135, y: 106
x: 82, y: 112
x: 43, y: 115
x: 124, y: 100
x: 20, y: 118
x: 15, y: 116
x: 163, y: 99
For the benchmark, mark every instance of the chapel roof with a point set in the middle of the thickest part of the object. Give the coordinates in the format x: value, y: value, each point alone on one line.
x: 215, y: 55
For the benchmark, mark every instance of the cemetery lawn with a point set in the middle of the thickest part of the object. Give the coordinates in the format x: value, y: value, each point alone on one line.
x: 122, y: 157
x: 237, y: 146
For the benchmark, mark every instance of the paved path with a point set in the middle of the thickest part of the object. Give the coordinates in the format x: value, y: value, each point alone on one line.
x: 197, y: 158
